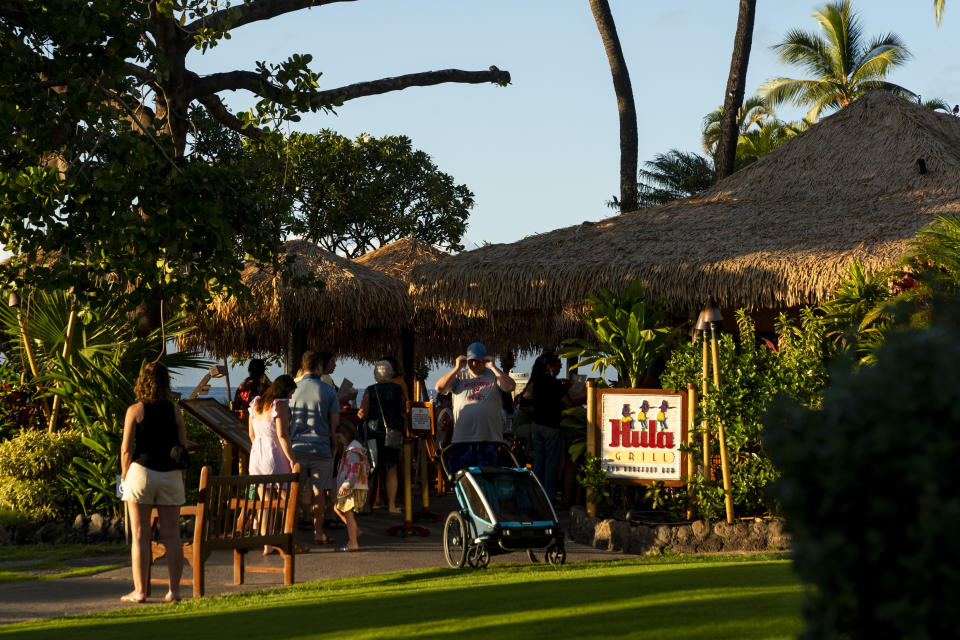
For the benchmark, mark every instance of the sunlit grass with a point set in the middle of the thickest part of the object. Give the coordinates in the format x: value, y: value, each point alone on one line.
x: 742, y: 597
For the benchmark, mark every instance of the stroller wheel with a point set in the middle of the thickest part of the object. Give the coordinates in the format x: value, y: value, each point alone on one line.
x: 479, y: 556
x: 455, y: 540
x: 556, y: 555
x: 533, y: 556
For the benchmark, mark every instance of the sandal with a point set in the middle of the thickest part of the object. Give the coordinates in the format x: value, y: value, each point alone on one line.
x: 346, y: 548
x: 323, y: 540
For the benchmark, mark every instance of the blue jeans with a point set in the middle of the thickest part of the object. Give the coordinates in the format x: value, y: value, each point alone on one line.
x: 472, y: 454
x: 547, y: 455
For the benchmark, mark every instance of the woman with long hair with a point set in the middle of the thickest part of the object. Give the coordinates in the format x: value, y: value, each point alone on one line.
x: 150, y: 477
x: 548, y: 397
x: 269, y: 428
x: 254, y: 385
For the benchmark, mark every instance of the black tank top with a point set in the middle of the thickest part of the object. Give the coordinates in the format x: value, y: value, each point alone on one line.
x: 155, y: 436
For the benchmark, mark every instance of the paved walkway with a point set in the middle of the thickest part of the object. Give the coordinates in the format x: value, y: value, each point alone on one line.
x: 381, y: 554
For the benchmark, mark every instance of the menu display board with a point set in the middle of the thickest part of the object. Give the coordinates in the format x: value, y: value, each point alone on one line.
x: 421, y: 419
x: 219, y: 419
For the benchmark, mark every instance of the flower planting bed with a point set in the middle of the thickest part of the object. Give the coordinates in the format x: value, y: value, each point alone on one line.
x: 699, y: 536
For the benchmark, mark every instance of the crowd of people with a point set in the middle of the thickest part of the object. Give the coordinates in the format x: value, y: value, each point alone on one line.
x: 296, y: 420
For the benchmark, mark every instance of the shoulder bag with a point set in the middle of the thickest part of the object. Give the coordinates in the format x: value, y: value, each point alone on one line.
x: 393, y: 438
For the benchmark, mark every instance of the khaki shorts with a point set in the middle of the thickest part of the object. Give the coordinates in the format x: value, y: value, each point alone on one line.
x: 318, y: 469
x: 158, y: 488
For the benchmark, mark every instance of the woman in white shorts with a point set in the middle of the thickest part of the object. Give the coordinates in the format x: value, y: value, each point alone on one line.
x: 151, y: 478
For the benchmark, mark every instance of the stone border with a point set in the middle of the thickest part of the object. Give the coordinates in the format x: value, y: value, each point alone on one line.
x: 700, y: 536
x: 85, y: 529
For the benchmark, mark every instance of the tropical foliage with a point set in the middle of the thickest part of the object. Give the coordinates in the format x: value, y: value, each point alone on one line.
x: 673, y: 176
x: 752, y: 374
x: 93, y: 377
x: 842, y: 63
x: 627, y: 333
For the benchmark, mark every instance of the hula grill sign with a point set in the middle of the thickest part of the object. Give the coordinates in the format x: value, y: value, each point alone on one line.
x: 640, y: 433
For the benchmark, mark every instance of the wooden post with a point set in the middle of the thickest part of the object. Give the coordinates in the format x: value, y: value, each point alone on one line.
x: 591, y: 436
x: 707, y: 472
x: 691, y: 415
x: 68, y: 339
x: 424, y: 476
x: 226, y: 376
x: 721, y: 436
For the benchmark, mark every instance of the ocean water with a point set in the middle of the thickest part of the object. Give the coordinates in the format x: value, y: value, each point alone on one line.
x: 219, y: 392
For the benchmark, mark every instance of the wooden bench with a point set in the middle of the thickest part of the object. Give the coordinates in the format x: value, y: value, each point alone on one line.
x: 239, y: 513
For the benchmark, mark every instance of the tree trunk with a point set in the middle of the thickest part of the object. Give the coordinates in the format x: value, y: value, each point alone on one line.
x: 726, y: 154
x: 625, y: 105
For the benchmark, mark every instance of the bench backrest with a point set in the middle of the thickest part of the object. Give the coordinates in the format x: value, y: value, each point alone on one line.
x: 246, y: 511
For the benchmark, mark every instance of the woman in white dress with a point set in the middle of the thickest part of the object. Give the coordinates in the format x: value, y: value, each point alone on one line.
x: 269, y: 428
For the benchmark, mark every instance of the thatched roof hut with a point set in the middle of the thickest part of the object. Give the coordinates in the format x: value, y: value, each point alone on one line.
x: 356, y: 312
x: 779, y: 233
x: 398, y: 258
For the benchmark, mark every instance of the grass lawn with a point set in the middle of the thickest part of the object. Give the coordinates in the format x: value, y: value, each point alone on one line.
x: 663, y: 598
x: 50, y: 561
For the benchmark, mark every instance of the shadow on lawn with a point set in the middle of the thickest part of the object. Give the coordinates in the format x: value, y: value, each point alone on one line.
x: 633, y: 603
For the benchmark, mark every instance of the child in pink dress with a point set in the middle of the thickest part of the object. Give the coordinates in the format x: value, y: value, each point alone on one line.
x: 351, y: 483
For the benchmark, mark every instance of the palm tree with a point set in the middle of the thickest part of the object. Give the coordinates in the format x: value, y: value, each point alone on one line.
x: 625, y: 104
x: 754, y: 112
x: 672, y: 176
x: 843, y: 66
x: 726, y: 155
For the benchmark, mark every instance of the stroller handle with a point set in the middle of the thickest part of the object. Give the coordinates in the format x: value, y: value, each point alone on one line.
x: 445, y: 455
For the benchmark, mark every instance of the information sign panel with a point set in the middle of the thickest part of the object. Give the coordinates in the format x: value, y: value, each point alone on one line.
x: 640, y: 432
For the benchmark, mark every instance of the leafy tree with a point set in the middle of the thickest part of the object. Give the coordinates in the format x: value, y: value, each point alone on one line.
x: 843, y: 65
x: 672, y: 176
x: 95, y: 103
x: 726, y: 156
x: 625, y: 105
x: 353, y: 196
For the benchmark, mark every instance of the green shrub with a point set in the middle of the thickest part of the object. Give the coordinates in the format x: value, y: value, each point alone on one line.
x: 38, y: 455
x: 30, y: 467
x: 751, y: 375
x: 869, y: 491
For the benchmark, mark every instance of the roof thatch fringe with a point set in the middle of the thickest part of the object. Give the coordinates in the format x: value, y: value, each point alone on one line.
x: 778, y: 233
x: 357, y: 311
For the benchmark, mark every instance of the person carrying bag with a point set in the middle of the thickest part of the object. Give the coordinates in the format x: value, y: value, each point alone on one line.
x: 383, y: 427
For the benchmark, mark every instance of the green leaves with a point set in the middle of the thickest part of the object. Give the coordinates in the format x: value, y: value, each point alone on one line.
x: 627, y: 334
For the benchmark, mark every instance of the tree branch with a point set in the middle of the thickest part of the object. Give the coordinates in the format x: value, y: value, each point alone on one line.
x: 250, y: 81
x: 219, y: 112
x: 253, y: 11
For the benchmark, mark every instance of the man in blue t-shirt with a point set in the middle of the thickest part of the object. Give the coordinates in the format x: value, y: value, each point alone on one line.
x: 477, y: 418
x: 314, y: 416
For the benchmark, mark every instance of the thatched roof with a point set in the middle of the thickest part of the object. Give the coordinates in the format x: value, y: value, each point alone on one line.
x: 356, y: 312
x: 398, y: 258
x: 778, y: 233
